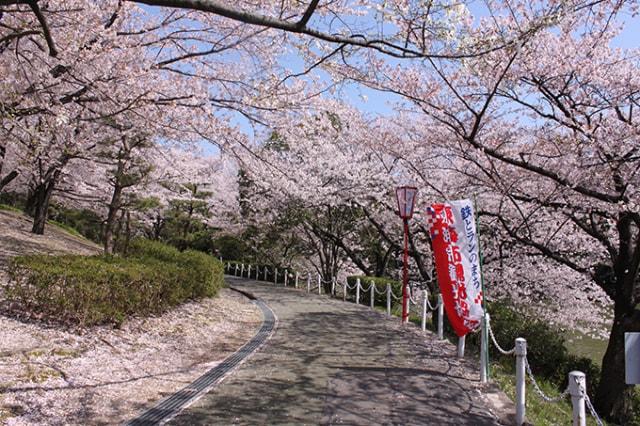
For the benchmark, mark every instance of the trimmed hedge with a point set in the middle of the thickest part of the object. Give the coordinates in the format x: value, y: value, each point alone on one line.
x: 90, y: 290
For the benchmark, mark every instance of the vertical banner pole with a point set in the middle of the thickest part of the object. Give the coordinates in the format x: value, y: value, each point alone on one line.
x: 483, y: 350
x: 440, y: 317
x: 521, y: 354
x: 425, y: 294
x: 461, y: 343
x: 388, y: 299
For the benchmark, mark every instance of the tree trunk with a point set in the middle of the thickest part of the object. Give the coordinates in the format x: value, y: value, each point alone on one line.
x: 127, y: 234
x: 614, y: 397
x: 114, y: 207
x: 39, y: 202
x: 117, y: 233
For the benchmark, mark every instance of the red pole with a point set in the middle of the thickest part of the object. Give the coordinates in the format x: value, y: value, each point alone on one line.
x: 405, y: 273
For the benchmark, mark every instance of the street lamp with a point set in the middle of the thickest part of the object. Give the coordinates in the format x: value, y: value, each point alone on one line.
x: 406, y: 196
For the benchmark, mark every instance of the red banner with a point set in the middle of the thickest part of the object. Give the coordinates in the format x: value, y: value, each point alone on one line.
x: 455, y: 248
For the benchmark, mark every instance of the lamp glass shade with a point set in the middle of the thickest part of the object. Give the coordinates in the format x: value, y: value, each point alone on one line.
x: 406, y: 196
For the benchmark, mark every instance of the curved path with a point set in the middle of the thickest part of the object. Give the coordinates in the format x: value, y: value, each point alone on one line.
x: 331, y: 362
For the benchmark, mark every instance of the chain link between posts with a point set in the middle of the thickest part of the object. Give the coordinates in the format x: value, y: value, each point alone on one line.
x: 365, y: 290
x: 537, y: 388
x: 375, y: 289
x: 495, y: 342
x: 411, y: 299
x: 589, y: 405
x: 431, y: 307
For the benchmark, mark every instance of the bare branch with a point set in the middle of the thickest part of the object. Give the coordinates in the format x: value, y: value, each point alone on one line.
x: 33, y: 4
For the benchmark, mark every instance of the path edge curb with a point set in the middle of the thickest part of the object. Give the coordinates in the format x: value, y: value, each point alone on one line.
x: 157, y: 415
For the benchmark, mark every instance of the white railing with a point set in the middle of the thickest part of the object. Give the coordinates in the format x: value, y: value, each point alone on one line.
x: 576, y: 388
x: 577, y: 380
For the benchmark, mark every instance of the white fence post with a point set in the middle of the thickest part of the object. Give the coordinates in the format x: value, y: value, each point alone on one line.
x: 577, y: 390
x: 344, y: 290
x: 388, y: 299
x: 357, y: 291
x: 242, y: 270
x: 373, y: 294
x: 297, y: 276
x: 333, y: 286
x: 319, y: 284
x: 275, y: 279
x: 265, y: 273
x: 249, y: 271
x: 484, y: 367
x: 440, y: 317
x: 461, y: 344
x: 308, y: 282
x: 521, y: 355
x: 407, y: 302
x: 286, y: 277
x: 425, y: 294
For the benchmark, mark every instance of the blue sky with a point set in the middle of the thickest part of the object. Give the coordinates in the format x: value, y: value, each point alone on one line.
x: 374, y: 103
x: 380, y: 103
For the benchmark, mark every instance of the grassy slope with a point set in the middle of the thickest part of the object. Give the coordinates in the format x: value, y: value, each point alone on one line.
x: 16, y: 238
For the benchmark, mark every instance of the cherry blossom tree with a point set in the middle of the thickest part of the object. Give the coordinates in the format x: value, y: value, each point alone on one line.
x: 546, y: 135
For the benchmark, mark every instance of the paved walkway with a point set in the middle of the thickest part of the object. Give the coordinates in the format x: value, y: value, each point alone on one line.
x: 331, y: 362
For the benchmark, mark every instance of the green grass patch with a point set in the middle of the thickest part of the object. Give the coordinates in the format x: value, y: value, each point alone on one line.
x: 538, y: 412
x: 586, y: 346
x: 90, y: 290
x: 68, y: 229
x: 9, y: 208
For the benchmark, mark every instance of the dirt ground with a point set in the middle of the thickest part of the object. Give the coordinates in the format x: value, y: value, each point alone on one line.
x: 52, y: 375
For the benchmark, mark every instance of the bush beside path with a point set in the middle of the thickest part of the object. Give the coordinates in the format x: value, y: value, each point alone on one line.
x: 51, y: 374
x: 331, y: 362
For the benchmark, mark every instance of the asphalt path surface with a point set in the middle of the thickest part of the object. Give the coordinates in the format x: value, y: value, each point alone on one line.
x: 334, y: 362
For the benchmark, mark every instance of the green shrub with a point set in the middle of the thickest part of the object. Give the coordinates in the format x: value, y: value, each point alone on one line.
x: 230, y: 247
x: 91, y: 290
x: 83, y: 221
x: 381, y: 288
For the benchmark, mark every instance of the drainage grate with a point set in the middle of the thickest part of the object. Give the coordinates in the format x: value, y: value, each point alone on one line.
x: 170, y: 406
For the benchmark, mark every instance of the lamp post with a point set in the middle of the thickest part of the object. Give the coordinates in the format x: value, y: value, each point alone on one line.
x: 406, y: 196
